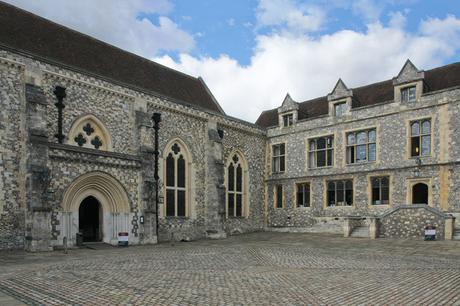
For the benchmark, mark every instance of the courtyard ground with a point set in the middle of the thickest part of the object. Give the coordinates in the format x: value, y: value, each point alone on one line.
x: 253, y: 269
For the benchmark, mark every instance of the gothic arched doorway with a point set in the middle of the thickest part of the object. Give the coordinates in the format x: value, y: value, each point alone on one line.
x: 90, y: 219
x: 420, y: 193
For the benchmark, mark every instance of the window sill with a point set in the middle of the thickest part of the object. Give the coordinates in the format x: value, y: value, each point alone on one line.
x: 320, y: 168
x: 341, y: 206
x: 303, y: 207
x: 380, y: 205
x: 361, y: 163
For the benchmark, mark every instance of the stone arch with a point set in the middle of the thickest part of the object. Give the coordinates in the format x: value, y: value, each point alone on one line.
x: 241, y: 160
x: 104, y: 187
x: 109, y: 193
x: 89, y: 132
x: 189, y: 176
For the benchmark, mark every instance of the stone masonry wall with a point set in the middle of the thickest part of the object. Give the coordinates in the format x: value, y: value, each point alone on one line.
x: 391, y: 121
x: 252, y: 147
x: 11, y: 156
x: 410, y: 223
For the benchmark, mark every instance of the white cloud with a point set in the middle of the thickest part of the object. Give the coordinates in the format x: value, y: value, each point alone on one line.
x: 286, y: 14
x: 368, y: 9
x: 117, y: 22
x: 308, y: 67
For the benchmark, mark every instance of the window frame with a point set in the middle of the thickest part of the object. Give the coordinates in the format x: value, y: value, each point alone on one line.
x: 280, y: 157
x: 184, y: 152
x: 407, y: 89
x: 367, y: 144
x: 244, y: 177
x: 276, y: 196
x: 316, y: 150
x: 335, y: 181
x: 296, y: 194
x: 344, y: 108
x: 290, y: 120
x: 420, y: 137
x: 371, y: 190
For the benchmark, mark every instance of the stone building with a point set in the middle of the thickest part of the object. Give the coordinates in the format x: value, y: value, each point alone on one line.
x: 78, y: 148
x: 378, y: 160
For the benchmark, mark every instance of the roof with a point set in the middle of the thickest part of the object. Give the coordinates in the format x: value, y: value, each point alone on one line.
x: 376, y: 93
x: 38, y: 37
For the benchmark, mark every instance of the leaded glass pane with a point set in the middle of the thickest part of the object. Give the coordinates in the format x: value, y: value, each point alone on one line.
x: 279, y: 196
x: 426, y: 127
x: 321, y: 143
x: 239, y: 178
x: 181, y: 172
x: 415, y: 129
x: 282, y: 163
x: 351, y: 138
x: 231, y: 204
x: 321, y: 156
x: 361, y: 138
x: 426, y: 145
x: 349, y: 197
x: 231, y: 178
x: 181, y: 203
x: 170, y: 170
x: 312, y: 145
x: 282, y: 149
x: 361, y: 153
x: 170, y: 203
x: 330, y: 154
x: 371, y: 136
x: 330, y: 142
x: 239, y: 205
x: 415, y: 146
x: 372, y: 153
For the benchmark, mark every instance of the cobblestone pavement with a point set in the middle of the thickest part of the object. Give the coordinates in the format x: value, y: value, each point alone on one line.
x: 253, y: 269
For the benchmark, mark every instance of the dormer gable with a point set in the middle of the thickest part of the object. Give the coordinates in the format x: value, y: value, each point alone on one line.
x: 408, y: 84
x: 340, y: 91
x: 340, y: 100
x: 409, y: 73
x: 287, y: 112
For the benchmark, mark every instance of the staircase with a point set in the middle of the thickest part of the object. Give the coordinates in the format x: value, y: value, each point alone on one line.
x: 456, y: 234
x: 360, y: 232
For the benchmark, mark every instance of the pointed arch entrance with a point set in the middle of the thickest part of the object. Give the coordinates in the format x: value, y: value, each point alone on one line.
x: 90, y: 219
x: 97, y: 206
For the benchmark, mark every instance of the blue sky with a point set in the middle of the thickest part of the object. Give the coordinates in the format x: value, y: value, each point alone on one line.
x: 252, y: 52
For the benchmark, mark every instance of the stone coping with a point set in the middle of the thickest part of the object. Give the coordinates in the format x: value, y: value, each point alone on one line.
x: 418, y: 206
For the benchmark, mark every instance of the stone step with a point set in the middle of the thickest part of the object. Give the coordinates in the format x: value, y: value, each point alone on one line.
x: 361, y: 232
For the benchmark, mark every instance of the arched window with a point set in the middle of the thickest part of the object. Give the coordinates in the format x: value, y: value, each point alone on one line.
x: 236, y: 186
x: 89, y: 132
x: 176, y: 181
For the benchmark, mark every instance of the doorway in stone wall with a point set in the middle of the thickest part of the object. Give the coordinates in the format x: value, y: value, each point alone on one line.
x: 90, y: 220
x: 420, y: 193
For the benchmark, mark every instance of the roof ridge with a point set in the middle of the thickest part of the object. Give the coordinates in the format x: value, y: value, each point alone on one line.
x: 99, y: 40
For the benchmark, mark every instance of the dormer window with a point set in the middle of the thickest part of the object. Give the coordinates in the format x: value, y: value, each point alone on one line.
x: 340, y: 109
x: 408, y: 94
x: 288, y: 120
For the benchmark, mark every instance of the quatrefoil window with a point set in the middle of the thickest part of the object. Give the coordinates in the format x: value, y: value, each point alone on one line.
x: 89, y: 132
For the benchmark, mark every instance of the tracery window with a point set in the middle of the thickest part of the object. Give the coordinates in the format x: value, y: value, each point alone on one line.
x: 361, y: 146
x: 176, y: 181
x: 88, y: 132
x: 420, y: 131
x: 236, y: 182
